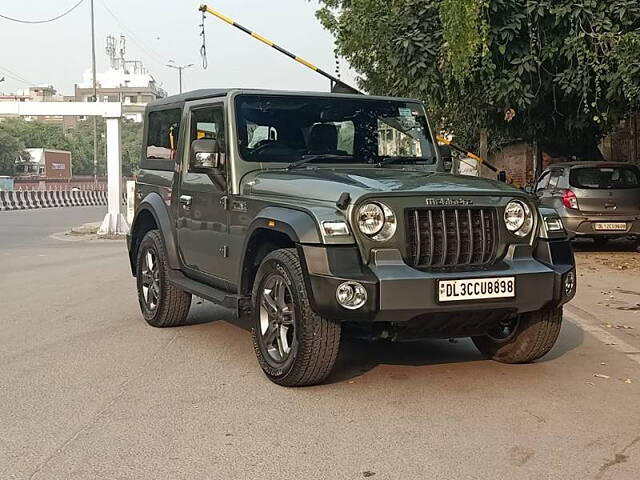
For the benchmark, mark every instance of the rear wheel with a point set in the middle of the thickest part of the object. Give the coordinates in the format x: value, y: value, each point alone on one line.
x: 162, y: 304
x: 294, y: 345
x: 522, y: 339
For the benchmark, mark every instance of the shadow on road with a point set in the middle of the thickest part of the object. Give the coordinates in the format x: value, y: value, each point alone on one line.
x: 358, y: 356
x: 617, y: 245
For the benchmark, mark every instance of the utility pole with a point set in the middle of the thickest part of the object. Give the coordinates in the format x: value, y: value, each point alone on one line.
x: 173, y: 64
x: 95, y: 96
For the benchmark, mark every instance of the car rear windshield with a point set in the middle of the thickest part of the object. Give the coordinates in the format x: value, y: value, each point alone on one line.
x: 605, y: 177
x: 331, y: 129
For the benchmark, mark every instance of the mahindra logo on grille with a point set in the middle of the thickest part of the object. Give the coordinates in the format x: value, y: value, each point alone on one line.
x: 448, y: 202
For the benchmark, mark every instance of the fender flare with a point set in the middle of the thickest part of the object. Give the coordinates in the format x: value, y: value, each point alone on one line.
x: 299, y: 226
x: 155, y: 205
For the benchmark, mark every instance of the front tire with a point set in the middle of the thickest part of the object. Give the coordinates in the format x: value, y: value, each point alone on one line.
x: 162, y: 304
x: 523, y: 339
x: 294, y: 345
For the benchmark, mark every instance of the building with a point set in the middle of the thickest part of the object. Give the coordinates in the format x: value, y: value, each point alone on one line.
x: 38, y: 93
x: 133, y: 90
x: 126, y: 81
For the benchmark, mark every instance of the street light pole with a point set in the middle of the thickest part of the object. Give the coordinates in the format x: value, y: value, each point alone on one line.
x: 95, y: 96
x: 180, y: 68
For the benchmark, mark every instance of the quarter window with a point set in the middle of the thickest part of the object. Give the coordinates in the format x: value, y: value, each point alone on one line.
x: 162, y: 141
x: 555, y: 178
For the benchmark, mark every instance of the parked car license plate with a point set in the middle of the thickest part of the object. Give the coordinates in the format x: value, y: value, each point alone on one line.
x: 476, y: 289
x: 608, y: 226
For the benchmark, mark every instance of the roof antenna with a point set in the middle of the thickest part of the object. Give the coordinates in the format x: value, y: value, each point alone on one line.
x: 203, y: 48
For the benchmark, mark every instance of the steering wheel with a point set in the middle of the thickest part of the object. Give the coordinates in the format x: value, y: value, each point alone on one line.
x: 264, y: 145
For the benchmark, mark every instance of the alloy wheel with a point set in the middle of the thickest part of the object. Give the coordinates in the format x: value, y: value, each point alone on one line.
x: 150, y: 280
x: 277, y: 318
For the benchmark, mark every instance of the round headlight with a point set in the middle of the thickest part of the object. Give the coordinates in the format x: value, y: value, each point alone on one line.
x: 370, y: 219
x: 518, y: 218
x: 377, y: 221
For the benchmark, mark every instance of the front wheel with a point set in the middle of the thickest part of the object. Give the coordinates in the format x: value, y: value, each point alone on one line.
x: 522, y: 339
x: 294, y: 345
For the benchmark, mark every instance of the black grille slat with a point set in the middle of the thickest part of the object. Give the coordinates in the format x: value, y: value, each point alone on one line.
x: 417, y: 236
x: 455, y: 237
x: 431, y: 238
x: 457, y: 260
x: 484, y: 236
x: 444, y: 238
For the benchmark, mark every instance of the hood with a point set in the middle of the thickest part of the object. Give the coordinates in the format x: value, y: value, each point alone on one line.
x: 324, y: 184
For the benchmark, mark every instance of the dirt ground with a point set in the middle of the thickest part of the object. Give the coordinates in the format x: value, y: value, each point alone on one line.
x: 609, y: 286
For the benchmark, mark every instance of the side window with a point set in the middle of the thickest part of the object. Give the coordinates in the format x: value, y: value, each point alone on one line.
x: 543, y: 182
x: 209, y: 123
x: 556, y: 175
x: 162, y: 139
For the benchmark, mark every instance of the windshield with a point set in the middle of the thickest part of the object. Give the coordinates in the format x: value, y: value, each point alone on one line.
x: 332, y: 130
x: 605, y: 177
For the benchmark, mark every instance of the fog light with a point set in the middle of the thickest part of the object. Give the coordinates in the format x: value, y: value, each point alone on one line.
x: 554, y: 224
x: 351, y: 295
x: 569, y: 283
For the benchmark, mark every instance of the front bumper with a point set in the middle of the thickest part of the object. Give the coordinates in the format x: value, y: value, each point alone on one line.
x: 399, y: 293
x: 582, y: 225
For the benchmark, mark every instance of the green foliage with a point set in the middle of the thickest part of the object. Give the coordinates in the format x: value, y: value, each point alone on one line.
x: 465, y: 32
x: 10, y: 148
x: 18, y: 134
x: 568, y: 69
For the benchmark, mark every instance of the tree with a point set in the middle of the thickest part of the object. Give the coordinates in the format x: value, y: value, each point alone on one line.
x: 10, y: 149
x: 563, y: 72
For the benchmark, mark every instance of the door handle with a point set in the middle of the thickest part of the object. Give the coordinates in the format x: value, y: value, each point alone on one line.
x: 185, y: 201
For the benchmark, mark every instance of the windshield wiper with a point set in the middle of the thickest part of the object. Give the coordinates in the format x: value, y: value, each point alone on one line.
x: 310, y: 158
x: 389, y: 160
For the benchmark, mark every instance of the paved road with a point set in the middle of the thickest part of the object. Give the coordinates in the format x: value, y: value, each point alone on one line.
x: 88, y: 390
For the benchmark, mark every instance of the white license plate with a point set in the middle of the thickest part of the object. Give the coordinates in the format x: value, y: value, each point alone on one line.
x: 476, y: 289
x: 602, y: 226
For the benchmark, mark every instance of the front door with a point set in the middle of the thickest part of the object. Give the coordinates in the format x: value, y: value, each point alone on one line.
x: 202, y: 215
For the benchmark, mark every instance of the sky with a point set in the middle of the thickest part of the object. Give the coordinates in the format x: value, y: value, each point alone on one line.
x: 157, y: 31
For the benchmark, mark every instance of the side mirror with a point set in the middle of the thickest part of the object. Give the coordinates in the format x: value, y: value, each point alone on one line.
x: 206, y: 156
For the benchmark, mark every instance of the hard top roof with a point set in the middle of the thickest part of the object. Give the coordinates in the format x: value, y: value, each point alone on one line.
x: 579, y: 164
x: 222, y: 92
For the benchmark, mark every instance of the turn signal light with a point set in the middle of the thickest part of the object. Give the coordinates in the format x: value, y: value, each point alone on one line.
x: 569, y: 199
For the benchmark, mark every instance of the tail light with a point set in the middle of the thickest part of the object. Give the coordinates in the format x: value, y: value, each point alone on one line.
x: 570, y: 200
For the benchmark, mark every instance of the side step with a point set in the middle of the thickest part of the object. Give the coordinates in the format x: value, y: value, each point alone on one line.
x: 238, y: 305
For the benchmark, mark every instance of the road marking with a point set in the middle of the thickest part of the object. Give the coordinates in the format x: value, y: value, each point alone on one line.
x: 577, y: 315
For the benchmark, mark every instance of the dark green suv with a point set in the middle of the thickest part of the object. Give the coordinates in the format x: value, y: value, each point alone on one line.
x: 308, y: 213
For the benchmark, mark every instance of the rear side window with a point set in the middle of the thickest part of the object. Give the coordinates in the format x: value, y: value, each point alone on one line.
x: 605, y: 177
x: 162, y: 139
x: 556, y: 175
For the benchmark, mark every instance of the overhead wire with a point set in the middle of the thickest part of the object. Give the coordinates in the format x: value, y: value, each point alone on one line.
x: 48, y: 20
x: 15, y: 76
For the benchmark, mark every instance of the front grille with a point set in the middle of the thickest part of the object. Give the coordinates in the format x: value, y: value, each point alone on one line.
x: 451, y: 237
